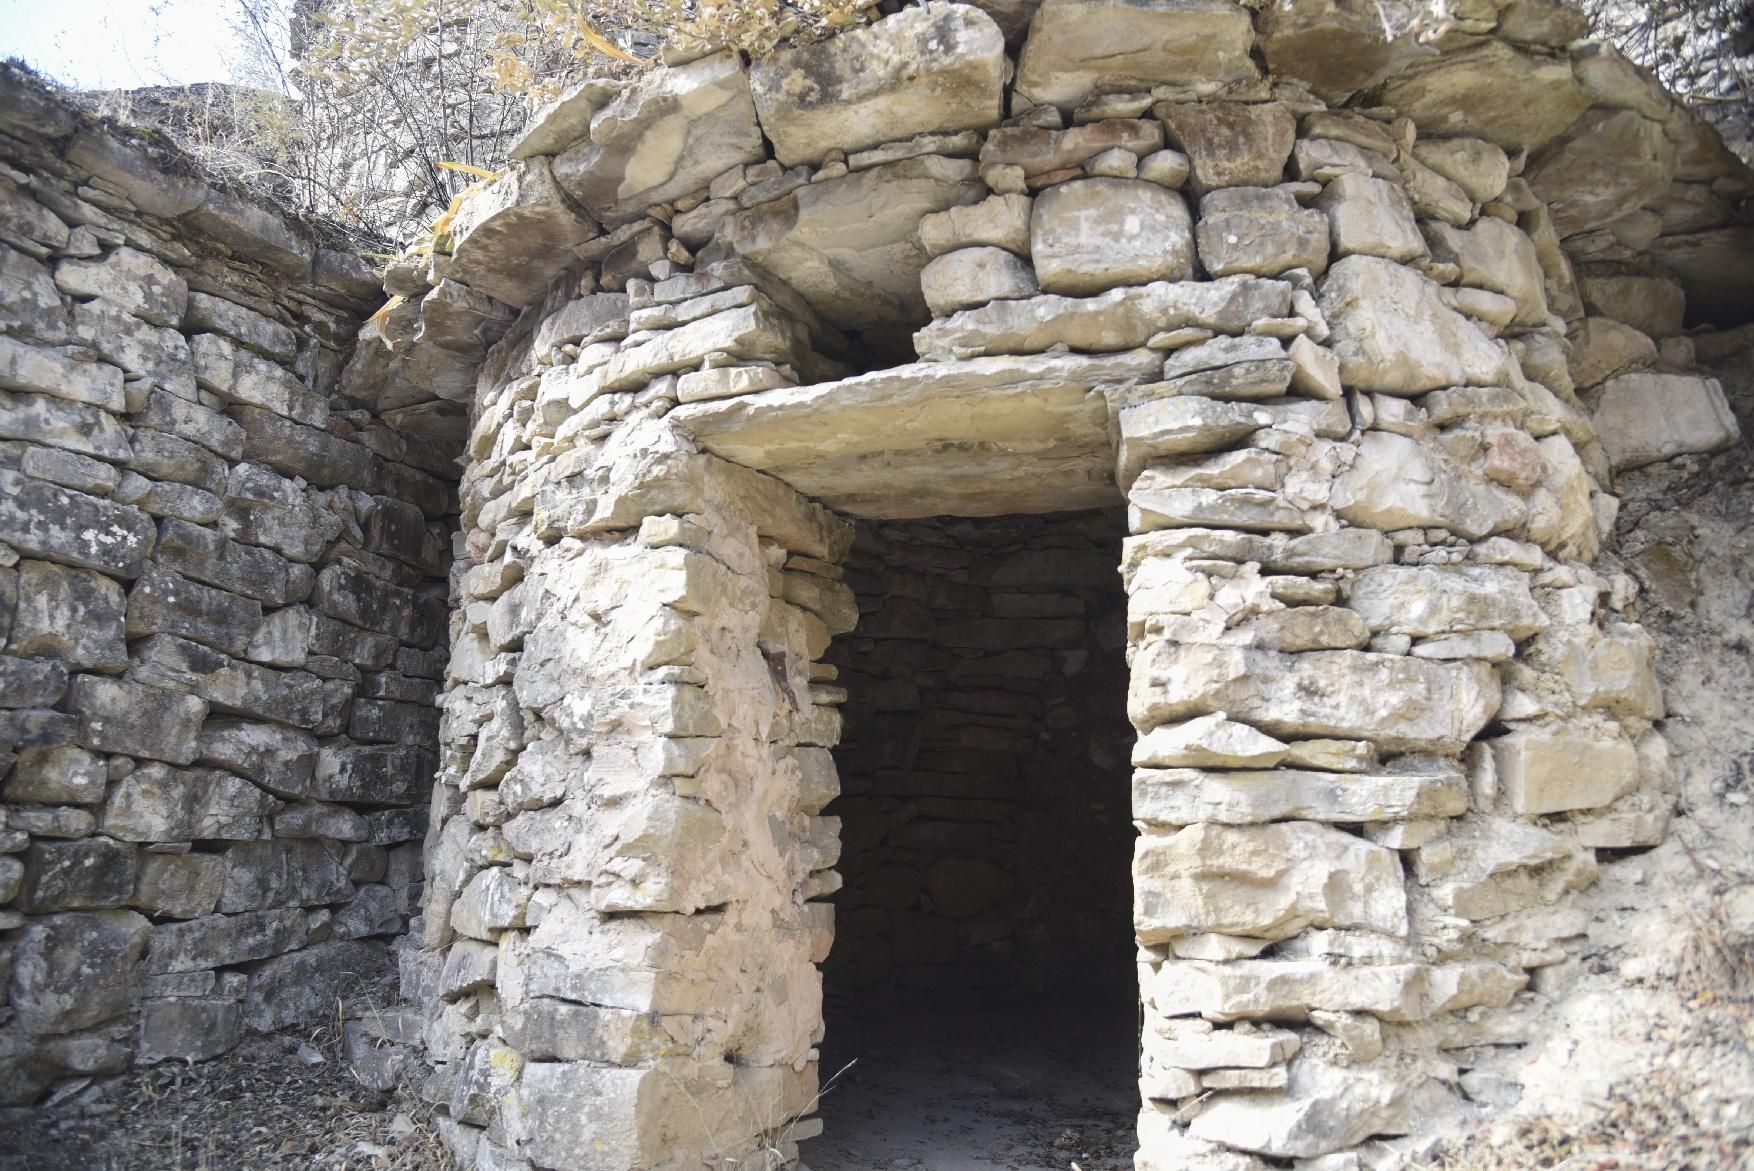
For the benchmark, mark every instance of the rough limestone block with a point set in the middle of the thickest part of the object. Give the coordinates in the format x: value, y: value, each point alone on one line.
x: 220, y: 940
x: 1553, y: 770
x: 131, y: 281
x: 178, y: 886
x: 920, y: 71
x: 64, y: 374
x: 161, y: 602
x: 1393, y: 333
x: 668, y: 135
x: 1510, y: 97
x: 74, y: 615
x: 1646, y: 417
x: 998, y: 221
x: 73, y: 971
x: 1230, y: 144
x: 1338, y: 48
x: 511, y: 239
x: 1429, y: 600
x: 1607, y: 162
x: 1090, y: 235
x: 974, y: 276
x: 1371, y: 217
x: 1263, y: 881
x: 187, y: 1028
x: 1396, y: 483
x: 1402, y: 704
x: 136, y: 720
x: 1179, y: 796
x: 1290, y: 989
x: 1326, y: 1108
x: 156, y: 803
x: 1041, y: 151
x: 1497, y: 256
x: 1261, y: 231
x: 1079, y: 47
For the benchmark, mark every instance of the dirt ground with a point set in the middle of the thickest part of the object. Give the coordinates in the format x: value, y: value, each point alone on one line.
x: 1023, y: 1088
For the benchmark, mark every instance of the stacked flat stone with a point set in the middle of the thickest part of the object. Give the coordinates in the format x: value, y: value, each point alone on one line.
x: 221, y: 613
x: 985, y: 685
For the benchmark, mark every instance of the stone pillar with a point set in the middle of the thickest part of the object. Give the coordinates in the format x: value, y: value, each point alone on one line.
x: 620, y: 931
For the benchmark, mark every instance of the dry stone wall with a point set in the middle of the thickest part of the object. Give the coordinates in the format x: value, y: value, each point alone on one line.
x: 222, y: 612
x: 1360, y: 345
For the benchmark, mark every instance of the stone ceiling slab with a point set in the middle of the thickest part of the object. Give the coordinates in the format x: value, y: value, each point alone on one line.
x: 1507, y: 96
x: 984, y: 437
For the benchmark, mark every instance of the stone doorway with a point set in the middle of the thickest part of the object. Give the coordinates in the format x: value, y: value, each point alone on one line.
x: 981, y: 982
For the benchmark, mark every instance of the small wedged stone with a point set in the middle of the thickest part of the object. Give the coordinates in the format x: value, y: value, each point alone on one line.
x: 1189, y: 796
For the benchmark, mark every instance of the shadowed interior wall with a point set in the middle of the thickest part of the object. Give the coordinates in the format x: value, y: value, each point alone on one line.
x: 984, y: 809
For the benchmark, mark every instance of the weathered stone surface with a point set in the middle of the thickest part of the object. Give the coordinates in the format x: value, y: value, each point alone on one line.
x: 919, y: 71
x: 372, y: 774
x: 1479, y: 168
x: 998, y: 221
x: 1042, y: 151
x: 188, y: 1028
x: 240, y: 375
x: 1080, y: 47
x: 1027, y: 431
x: 254, y: 231
x: 297, y: 873
x: 74, y: 615
x: 39, y: 519
x: 266, y: 509
x: 1601, y: 347
x: 511, y: 239
x: 1510, y: 97
x: 131, y: 281
x: 1283, y: 990
x: 54, y: 776
x: 1371, y: 217
x: 293, y: 449
x: 1396, y: 483
x: 1261, y: 231
x: 1249, y: 509
x: 67, y: 375
x: 156, y: 803
x: 118, y: 716
x: 666, y: 136
x: 1230, y: 144
x: 218, y: 940
x: 178, y: 886
x: 1393, y: 333
x: 851, y: 245
x: 1187, y: 796
x: 73, y: 971
x: 1553, y: 770
x: 1207, y: 742
x: 1646, y: 417
x: 280, y: 759
x: 1337, y: 46
x: 1090, y: 235
x: 1120, y: 319
x: 974, y: 276
x: 1655, y: 306
x: 1607, y: 162
x: 1180, y: 425
x: 1264, y: 881
x: 1424, y: 601
x: 265, y: 335
x: 162, y: 602
x: 304, y: 985
x: 1402, y: 704
x: 1497, y: 256
x: 1325, y: 1109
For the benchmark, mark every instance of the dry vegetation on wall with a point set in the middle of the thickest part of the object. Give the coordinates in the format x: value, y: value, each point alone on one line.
x: 350, y: 107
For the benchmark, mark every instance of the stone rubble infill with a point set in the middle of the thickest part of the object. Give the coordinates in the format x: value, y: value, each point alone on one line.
x: 220, y: 593
x: 1361, y: 378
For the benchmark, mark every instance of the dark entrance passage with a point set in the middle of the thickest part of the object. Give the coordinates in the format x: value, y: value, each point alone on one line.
x: 982, y: 975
